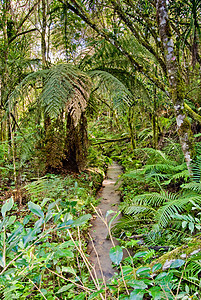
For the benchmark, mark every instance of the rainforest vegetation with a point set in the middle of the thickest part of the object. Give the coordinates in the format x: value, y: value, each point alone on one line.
x: 84, y: 83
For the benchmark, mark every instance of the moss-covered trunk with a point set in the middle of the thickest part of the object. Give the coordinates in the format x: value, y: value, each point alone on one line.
x: 176, y: 84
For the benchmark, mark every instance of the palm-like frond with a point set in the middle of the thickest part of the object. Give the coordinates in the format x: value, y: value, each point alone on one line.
x: 164, y: 205
x: 181, y: 175
x: 64, y: 87
x: 107, y: 82
x: 148, y: 201
x: 193, y: 186
x: 196, y: 169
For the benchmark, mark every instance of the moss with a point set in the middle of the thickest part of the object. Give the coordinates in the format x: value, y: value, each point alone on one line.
x: 192, y: 113
x: 193, y: 245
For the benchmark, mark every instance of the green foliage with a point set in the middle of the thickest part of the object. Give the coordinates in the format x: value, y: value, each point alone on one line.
x: 26, y: 250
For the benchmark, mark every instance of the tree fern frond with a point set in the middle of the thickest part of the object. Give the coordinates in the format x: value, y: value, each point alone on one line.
x: 65, y: 86
x: 23, y: 86
x: 107, y: 82
x: 196, y: 169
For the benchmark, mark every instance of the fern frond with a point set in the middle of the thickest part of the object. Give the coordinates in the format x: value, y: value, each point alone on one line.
x: 196, y: 169
x: 65, y: 86
x: 148, y: 201
x: 167, y: 211
x: 181, y: 175
x: 193, y: 186
x: 107, y: 82
x: 154, y: 155
x: 138, y: 209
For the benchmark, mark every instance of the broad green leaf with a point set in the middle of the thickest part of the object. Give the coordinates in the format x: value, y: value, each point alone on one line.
x: 156, y: 267
x: 11, y: 220
x: 137, y: 284
x: 64, y: 253
x: 155, y: 292
x: 137, y: 295
x: 177, y: 263
x: 65, y: 288
x: 161, y: 276
x: 140, y: 254
x: 7, y: 206
x: 143, y: 270
x: 82, y: 220
x: 116, y: 254
x: 35, y: 209
x: 92, y: 296
x: 127, y: 270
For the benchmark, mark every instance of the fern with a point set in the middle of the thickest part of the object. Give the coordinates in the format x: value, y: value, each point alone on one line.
x: 193, y: 186
x: 107, y: 82
x: 65, y: 87
x: 162, y: 206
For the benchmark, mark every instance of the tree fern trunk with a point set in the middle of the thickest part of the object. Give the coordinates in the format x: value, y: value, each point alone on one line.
x: 176, y: 84
x: 76, y: 144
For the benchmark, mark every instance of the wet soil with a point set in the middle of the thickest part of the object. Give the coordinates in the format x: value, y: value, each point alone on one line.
x: 109, y: 200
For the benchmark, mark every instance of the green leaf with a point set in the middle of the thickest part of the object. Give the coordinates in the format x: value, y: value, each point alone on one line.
x: 11, y: 220
x: 35, y: 209
x: 156, y: 267
x: 109, y: 212
x: 7, y: 206
x: 65, y: 288
x: 116, y: 254
x: 191, y: 226
x: 143, y: 270
x: 137, y: 284
x: 184, y: 223
x: 127, y: 270
x: 82, y: 220
x: 155, y: 292
x: 69, y: 270
x: 64, y: 253
x: 177, y: 263
x: 92, y: 296
x: 81, y: 296
x: 137, y: 295
x: 161, y: 276
x: 113, y: 218
x: 140, y: 254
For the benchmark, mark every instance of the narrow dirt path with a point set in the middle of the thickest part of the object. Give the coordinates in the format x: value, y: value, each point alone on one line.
x: 110, y: 198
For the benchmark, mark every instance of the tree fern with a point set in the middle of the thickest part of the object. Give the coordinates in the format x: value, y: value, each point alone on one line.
x: 65, y: 87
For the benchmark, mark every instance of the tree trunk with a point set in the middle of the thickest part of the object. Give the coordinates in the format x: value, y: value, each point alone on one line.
x: 76, y: 144
x: 176, y: 84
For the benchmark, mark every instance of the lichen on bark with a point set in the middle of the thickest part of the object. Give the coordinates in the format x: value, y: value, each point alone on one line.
x: 176, y: 84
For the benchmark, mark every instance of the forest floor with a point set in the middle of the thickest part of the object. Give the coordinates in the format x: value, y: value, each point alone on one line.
x: 109, y: 199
